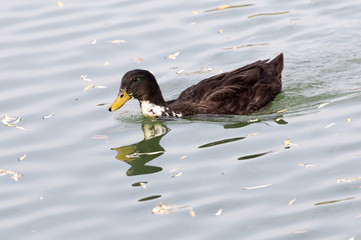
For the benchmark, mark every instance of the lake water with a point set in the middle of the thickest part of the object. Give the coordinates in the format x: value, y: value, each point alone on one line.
x: 85, y: 173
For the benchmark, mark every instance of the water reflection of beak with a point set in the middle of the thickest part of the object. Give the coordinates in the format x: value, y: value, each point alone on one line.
x: 126, y: 153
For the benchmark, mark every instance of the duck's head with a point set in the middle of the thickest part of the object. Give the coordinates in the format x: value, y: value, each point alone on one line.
x: 138, y: 84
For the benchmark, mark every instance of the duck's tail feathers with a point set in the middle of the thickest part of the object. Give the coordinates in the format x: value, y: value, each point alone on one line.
x: 274, y: 67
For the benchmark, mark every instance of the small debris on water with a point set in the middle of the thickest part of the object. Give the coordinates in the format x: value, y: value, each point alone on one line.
x: 288, y: 143
x: 143, y: 185
x: 283, y: 110
x: 11, y: 121
x: 177, y: 175
x: 22, y: 157
x: 48, y: 116
x: 175, y: 169
x: 305, y: 165
x: 292, y: 202
x: 257, y: 187
x: 98, y: 86
x: 14, y: 174
x: 347, y: 180
x: 219, y: 212
x: 192, y: 213
x: 137, y: 60
x: 322, y: 105
x: 88, y: 87
x: 117, y: 41
x: 252, y: 134
x: 173, y: 56
x: 329, y: 125
x: 85, y: 78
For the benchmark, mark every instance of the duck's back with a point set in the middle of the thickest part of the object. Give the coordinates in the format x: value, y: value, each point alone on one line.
x: 240, y: 91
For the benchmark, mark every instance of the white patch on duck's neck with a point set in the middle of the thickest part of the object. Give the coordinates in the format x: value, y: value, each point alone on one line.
x: 152, y: 110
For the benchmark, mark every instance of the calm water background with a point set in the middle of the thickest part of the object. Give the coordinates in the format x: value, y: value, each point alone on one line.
x: 91, y: 174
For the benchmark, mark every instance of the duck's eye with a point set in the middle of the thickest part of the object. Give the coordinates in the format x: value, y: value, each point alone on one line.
x: 136, y: 79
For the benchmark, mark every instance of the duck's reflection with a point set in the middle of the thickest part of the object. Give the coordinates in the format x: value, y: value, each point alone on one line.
x: 138, y: 154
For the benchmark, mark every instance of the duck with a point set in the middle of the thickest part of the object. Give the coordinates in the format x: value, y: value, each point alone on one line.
x: 242, y: 91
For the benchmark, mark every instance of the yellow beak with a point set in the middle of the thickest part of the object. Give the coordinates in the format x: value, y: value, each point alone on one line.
x: 122, y: 98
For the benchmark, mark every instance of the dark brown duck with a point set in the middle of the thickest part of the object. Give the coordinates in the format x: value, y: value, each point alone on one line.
x: 241, y: 91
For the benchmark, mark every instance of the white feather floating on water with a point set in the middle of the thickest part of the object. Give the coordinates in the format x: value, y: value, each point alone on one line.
x: 177, y: 175
x: 11, y: 121
x: 173, y: 56
x: 323, y: 105
x: 257, y: 187
x: 48, y: 116
x: 329, y: 125
x: 85, y: 78
x: 292, y: 202
x: 219, y: 212
x: 22, y: 157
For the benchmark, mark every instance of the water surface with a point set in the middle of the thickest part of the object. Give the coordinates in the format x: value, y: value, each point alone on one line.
x: 91, y: 174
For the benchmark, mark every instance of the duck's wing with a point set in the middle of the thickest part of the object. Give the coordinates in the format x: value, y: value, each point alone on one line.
x: 241, y: 91
x: 207, y: 86
x: 268, y: 85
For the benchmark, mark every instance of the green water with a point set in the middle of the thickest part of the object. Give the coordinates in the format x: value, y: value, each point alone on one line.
x: 91, y: 174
